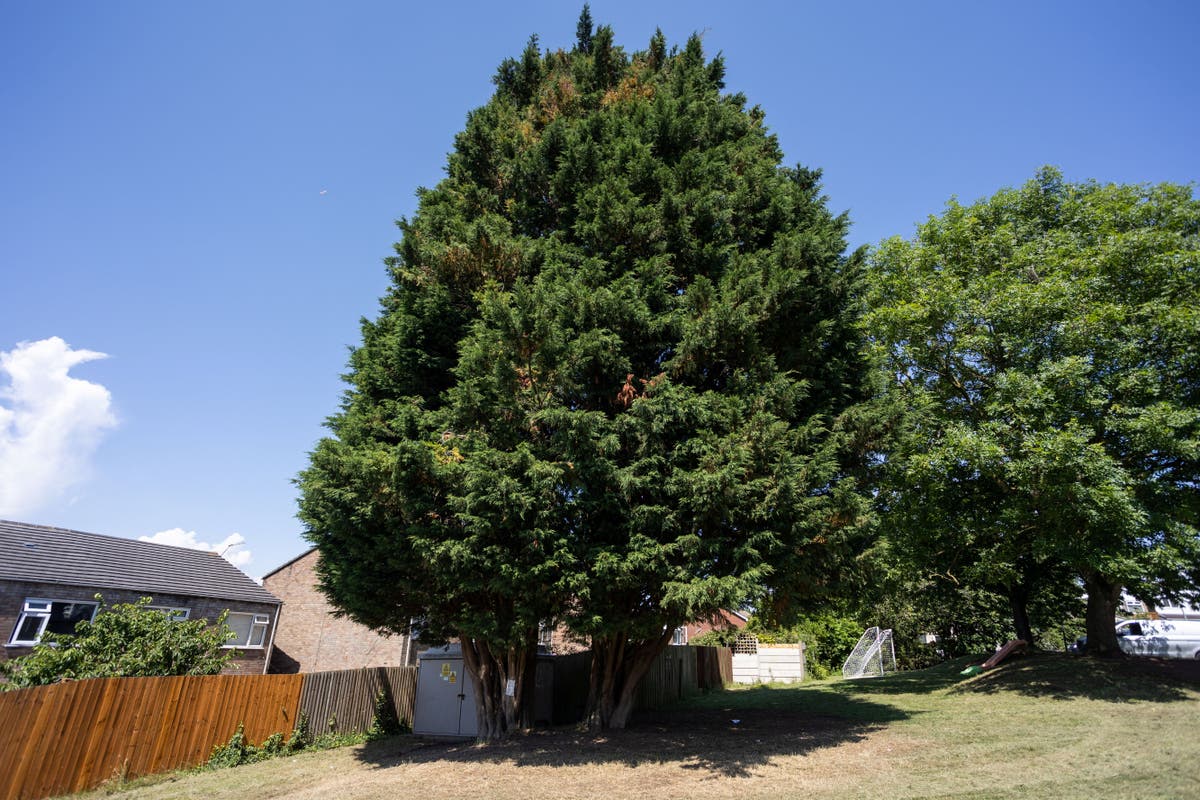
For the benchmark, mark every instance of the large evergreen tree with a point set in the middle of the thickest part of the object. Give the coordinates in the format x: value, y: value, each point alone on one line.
x: 1046, y: 342
x: 605, y: 384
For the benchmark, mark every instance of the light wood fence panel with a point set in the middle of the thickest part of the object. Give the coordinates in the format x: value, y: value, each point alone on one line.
x: 72, y: 736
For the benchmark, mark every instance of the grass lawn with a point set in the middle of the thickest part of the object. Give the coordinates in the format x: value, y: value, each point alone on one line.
x: 1044, y: 726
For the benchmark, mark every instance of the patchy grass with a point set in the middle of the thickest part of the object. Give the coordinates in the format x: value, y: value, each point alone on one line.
x: 1042, y: 726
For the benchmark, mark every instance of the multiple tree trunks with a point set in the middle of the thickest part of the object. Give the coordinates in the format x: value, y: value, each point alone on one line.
x: 618, y: 666
x: 499, y: 710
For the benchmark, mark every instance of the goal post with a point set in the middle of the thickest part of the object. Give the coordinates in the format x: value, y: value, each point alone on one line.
x: 873, y: 656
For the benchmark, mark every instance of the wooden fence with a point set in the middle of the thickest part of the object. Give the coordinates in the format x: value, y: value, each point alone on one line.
x: 714, y: 667
x: 677, y: 673
x: 671, y: 677
x: 72, y: 736
x: 343, y: 701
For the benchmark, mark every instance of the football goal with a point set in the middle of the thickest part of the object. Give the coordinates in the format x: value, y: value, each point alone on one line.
x: 873, y: 656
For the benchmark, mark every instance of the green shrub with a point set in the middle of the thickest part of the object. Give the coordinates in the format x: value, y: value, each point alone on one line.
x: 238, y: 751
x: 124, y: 640
x: 718, y: 638
x: 828, y: 639
x: 385, y: 722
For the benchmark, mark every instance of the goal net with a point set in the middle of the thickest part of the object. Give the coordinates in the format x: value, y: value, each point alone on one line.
x: 873, y: 656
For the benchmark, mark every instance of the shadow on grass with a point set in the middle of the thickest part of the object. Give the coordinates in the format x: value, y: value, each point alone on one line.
x: 921, y: 681
x: 1057, y: 676
x: 722, y: 734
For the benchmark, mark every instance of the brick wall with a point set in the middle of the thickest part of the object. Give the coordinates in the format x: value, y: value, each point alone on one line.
x: 250, y: 661
x: 311, y: 639
x: 727, y: 619
x: 564, y: 643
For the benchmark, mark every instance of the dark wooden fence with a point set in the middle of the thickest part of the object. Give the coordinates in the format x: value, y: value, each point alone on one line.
x: 344, y: 701
x: 677, y: 673
x: 571, y: 675
x: 714, y: 667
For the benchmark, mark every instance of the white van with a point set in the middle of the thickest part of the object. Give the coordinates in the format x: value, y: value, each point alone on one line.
x: 1164, y: 638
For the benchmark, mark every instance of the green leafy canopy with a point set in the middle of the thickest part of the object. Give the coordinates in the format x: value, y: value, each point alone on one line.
x: 1046, y: 342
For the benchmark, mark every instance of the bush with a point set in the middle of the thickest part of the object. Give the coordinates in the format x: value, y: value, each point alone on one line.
x: 124, y: 640
x: 238, y: 751
x: 718, y: 638
x: 828, y: 639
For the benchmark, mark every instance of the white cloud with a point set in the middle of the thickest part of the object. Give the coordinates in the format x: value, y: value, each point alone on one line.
x: 50, y: 423
x: 230, y: 547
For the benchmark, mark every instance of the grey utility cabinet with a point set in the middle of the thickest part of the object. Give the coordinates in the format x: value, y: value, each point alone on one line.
x: 445, y: 694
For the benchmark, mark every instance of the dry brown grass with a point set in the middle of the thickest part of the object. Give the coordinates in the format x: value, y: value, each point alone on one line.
x: 1041, y: 727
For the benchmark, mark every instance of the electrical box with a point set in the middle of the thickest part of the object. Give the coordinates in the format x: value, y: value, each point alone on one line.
x: 445, y: 704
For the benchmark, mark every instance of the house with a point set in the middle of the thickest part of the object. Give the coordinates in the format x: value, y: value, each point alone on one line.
x: 724, y: 620
x: 1181, y: 610
x: 312, y: 639
x: 49, y: 579
x: 560, y: 641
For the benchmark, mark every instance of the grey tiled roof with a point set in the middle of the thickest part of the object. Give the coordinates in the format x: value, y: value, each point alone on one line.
x: 41, y: 554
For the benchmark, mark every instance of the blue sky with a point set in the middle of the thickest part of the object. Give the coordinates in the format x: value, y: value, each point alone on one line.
x: 203, y: 193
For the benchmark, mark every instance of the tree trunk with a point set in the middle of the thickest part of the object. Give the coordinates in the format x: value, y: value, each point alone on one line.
x: 1018, y: 600
x: 1102, y: 598
x: 497, y: 712
x: 618, y: 666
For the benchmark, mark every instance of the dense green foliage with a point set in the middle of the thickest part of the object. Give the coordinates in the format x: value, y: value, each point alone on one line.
x: 605, y: 385
x: 1045, y: 344
x: 238, y: 750
x: 124, y: 640
x: 828, y: 638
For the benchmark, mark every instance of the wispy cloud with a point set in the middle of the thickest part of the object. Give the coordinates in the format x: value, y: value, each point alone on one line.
x: 50, y: 423
x: 230, y: 547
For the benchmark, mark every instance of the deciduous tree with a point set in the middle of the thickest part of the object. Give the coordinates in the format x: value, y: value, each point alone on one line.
x: 1046, y: 341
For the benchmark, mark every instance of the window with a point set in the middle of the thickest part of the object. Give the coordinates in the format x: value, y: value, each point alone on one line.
x: 173, y: 614
x: 249, y: 630
x: 679, y: 636
x: 545, y: 634
x: 39, y: 617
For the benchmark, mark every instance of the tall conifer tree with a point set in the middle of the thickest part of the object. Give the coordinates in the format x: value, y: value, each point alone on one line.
x: 604, y: 386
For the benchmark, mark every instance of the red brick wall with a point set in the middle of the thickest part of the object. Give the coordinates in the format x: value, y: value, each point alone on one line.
x: 727, y: 620
x: 250, y: 661
x: 311, y: 639
x: 563, y: 643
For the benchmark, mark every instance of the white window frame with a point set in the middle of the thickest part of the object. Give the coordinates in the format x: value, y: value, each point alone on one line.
x: 42, y: 607
x: 259, y: 623
x: 172, y: 613
x: 680, y: 635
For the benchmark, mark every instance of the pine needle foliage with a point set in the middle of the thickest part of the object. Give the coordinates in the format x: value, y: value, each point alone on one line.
x: 605, y: 385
